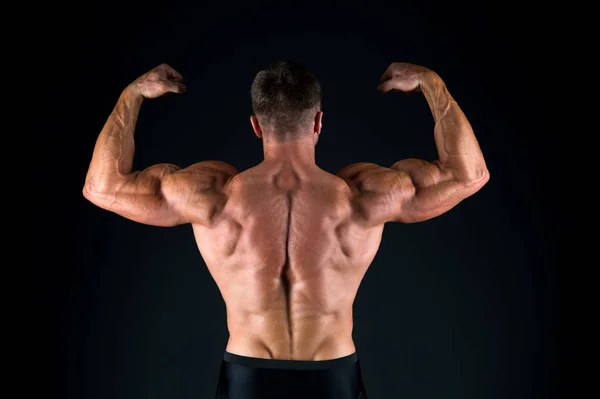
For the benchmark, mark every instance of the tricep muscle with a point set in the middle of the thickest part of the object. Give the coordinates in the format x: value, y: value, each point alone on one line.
x: 164, y: 194
x: 412, y: 190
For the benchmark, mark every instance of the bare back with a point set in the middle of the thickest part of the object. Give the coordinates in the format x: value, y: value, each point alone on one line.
x: 287, y: 245
x: 288, y: 253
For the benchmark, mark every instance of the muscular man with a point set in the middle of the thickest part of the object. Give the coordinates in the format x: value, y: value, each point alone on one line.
x: 286, y: 242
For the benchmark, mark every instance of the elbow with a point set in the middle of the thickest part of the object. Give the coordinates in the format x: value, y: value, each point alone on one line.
x: 473, y: 178
x: 481, y: 175
x: 477, y: 177
x: 88, y: 191
x: 85, y: 191
x: 93, y: 191
x: 98, y: 196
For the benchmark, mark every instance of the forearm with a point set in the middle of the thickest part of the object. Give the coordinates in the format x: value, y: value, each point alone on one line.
x: 112, y: 158
x: 458, y: 149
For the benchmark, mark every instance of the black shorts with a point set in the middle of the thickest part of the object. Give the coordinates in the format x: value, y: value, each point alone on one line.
x: 243, y: 377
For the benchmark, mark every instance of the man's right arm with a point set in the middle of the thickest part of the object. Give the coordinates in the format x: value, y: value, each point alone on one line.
x: 414, y: 190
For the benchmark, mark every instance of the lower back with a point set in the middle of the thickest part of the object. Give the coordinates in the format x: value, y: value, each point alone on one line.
x: 290, y: 328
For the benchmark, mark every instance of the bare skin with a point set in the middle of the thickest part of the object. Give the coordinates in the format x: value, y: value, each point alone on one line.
x: 286, y: 242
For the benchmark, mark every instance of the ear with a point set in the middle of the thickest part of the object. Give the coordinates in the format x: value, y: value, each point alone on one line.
x: 318, y: 122
x: 256, y: 126
x: 318, y: 126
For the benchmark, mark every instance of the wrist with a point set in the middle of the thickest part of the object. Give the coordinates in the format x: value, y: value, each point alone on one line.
x: 132, y: 93
x: 429, y: 79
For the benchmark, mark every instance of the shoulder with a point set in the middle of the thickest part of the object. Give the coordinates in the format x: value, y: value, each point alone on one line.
x: 367, y: 176
x: 354, y: 170
x: 355, y: 174
x: 213, y: 166
x: 202, y: 176
x: 213, y: 172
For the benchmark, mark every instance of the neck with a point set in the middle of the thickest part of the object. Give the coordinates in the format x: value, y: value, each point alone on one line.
x: 300, y: 152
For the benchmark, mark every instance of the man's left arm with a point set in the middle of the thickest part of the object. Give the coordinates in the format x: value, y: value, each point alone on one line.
x: 162, y: 194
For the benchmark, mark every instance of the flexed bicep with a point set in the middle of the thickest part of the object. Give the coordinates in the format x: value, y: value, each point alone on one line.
x: 167, y: 195
x: 140, y: 196
x: 413, y: 190
x: 430, y: 190
x: 162, y: 194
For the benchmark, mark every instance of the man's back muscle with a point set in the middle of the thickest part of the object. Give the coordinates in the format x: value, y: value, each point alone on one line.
x: 288, y: 252
x: 287, y: 246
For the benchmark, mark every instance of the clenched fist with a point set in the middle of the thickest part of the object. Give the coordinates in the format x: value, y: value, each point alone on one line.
x: 400, y: 76
x: 159, y: 81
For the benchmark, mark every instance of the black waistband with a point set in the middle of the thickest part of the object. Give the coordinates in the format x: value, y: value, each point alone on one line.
x: 290, y: 364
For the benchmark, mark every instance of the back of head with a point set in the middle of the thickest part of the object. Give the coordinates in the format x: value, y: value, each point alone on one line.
x: 285, y: 98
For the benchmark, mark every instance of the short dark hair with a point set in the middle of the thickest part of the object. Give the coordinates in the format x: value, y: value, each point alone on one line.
x: 285, y: 98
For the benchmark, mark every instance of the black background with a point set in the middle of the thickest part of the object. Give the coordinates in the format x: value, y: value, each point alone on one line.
x: 467, y: 305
